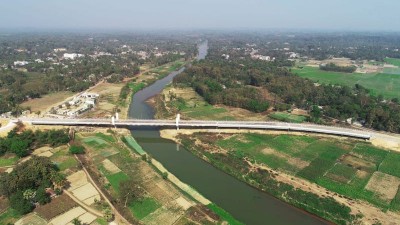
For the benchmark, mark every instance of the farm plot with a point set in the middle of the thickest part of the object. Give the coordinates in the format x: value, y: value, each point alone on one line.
x: 77, y: 212
x: 349, y: 168
x: 110, y: 167
x: 82, y: 189
x: 64, y: 160
x: 57, y: 206
x: 385, y: 186
x: 31, y: 219
x: 102, y: 147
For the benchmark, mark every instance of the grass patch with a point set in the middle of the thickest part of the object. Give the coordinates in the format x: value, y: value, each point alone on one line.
x: 391, y: 164
x: 144, y: 207
x: 9, y: 161
x: 10, y: 216
x: 135, y: 87
x: 101, y: 221
x: 67, y: 164
x: 393, y: 61
x: 131, y: 142
x: 287, y: 117
x: 387, y: 85
x: 224, y: 214
x: 108, y: 138
x: 115, y: 179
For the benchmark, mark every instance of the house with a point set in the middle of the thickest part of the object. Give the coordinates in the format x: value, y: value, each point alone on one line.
x: 20, y: 63
x: 72, y: 56
x: 60, y: 50
x: 89, y: 95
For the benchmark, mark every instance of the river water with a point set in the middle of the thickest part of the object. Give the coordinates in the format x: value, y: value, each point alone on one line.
x: 244, y: 202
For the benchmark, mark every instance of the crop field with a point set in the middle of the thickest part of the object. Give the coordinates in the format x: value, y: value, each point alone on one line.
x: 287, y: 117
x: 102, y: 143
x: 161, y: 201
x: 144, y: 207
x: 393, y: 61
x: 64, y: 160
x: 116, y: 178
x: 351, y: 168
x: 387, y: 85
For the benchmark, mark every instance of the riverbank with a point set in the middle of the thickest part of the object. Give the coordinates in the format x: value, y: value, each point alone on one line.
x: 258, y: 174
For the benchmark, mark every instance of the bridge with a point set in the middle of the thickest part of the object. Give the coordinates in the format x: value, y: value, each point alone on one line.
x: 201, y: 124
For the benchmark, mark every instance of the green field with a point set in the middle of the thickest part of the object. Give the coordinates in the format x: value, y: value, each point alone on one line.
x: 108, y: 138
x: 9, y: 161
x: 115, y: 179
x: 144, y: 207
x: 387, y: 85
x: 224, y: 214
x: 344, y: 167
x: 393, y: 61
x: 10, y: 216
x: 131, y: 142
x: 287, y: 117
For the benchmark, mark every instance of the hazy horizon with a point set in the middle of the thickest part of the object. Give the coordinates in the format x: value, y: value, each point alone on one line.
x: 124, y: 15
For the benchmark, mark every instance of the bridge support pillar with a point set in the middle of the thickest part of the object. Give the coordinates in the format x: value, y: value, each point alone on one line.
x: 113, y: 120
x: 178, y: 118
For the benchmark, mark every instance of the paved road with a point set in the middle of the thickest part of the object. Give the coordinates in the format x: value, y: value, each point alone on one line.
x: 205, y: 124
x: 7, y: 127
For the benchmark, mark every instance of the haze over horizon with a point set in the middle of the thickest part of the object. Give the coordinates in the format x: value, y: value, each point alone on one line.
x: 355, y: 15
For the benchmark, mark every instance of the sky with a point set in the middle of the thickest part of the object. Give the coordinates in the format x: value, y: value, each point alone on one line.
x: 346, y: 15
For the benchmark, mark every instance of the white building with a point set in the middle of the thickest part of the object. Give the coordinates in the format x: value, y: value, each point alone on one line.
x: 60, y: 50
x: 20, y: 63
x: 89, y: 95
x: 72, y: 56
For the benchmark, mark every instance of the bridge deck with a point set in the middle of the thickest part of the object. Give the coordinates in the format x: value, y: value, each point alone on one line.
x: 204, y: 124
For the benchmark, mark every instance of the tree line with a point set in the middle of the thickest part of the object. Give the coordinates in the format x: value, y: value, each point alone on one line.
x: 335, y: 68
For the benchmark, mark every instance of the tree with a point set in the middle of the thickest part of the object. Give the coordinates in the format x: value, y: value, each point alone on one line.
x: 29, y: 194
x: 20, y: 204
x: 130, y: 191
x: 108, y: 215
x: 41, y: 196
x: 19, y: 147
x: 315, y: 113
x: 76, y: 221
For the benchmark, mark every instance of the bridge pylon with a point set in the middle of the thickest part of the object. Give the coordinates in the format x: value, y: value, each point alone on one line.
x: 178, y: 118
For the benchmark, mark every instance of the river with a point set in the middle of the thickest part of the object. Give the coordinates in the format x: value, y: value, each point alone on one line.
x: 244, y: 202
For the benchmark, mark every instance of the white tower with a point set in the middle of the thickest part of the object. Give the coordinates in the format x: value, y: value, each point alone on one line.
x: 178, y: 117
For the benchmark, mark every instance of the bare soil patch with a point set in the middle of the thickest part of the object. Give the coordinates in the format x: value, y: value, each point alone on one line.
x: 31, y: 219
x: 77, y: 180
x: 300, y: 164
x: 384, y: 185
x: 110, y: 166
x: 358, y: 163
x: 68, y: 216
x: 44, y: 103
